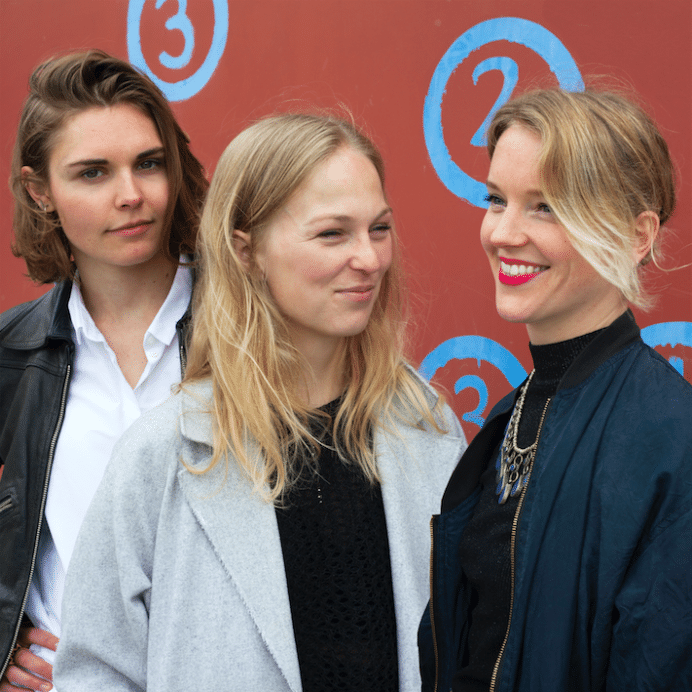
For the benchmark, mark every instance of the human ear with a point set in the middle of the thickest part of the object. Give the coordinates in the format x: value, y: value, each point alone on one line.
x: 37, y: 190
x: 242, y: 245
x: 646, y: 227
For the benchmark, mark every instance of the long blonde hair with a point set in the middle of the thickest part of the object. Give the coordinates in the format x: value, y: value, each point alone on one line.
x: 603, y: 163
x: 240, y: 340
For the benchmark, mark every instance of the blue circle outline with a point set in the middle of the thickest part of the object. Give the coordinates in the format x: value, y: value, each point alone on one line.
x: 512, y: 29
x: 188, y: 87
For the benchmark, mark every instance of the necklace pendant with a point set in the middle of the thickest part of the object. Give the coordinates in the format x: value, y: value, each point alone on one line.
x: 514, y: 464
x: 502, y: 491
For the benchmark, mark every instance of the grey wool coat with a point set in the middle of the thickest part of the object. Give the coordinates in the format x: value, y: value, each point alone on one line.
x: 177, y: 580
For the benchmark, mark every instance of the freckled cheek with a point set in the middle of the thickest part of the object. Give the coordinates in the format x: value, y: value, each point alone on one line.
x: 76, y: 219
x: 159, y: 196
x: 319, y: 271
x: 485, y: 234
x: 386, y: 257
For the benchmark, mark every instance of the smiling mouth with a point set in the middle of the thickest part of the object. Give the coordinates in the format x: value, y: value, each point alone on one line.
x: 516, y: 273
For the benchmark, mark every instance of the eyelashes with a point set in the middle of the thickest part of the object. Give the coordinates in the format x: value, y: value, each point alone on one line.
x: 493, y: 200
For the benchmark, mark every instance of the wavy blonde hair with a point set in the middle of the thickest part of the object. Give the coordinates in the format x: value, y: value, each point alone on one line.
x: 240, y: 340
x: 603, y: 163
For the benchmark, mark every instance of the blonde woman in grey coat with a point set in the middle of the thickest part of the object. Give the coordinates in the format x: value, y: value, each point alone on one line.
x: 267, y: 527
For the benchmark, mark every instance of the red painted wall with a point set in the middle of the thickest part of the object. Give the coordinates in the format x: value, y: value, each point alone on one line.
x: 378, y: 58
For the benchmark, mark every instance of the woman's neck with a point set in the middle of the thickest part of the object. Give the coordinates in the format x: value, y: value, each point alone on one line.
x: 127, y: 293
x: 324, y: 376
x: 551, y: 361
x: 123, y: 302
x: 548, y: 331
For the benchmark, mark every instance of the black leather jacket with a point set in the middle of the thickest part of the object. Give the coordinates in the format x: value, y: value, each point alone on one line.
x: 36, y: 357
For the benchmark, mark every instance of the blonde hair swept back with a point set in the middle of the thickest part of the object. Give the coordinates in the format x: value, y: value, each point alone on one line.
x: 240, y: 340
x: 603, y: 163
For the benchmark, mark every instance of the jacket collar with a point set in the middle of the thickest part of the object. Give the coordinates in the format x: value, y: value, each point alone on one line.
x: 617, y: 336
x: 250, y: 550
x: 242, y: 529
x: 33, y: 324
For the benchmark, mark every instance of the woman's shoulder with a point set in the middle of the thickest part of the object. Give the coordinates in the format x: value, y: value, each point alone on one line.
x: 664, y: 375
x: 651, y: 386
x: 27, y: 325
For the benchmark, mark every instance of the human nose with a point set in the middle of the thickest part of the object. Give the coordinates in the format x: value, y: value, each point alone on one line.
x: 129, y: 193
x: 505, y: 228
x: 366, y: 255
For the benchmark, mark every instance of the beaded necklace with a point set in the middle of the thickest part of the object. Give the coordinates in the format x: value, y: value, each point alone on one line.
x: 514, y: 464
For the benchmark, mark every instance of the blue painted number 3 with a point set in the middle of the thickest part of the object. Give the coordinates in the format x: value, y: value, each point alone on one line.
x: 178, y: 22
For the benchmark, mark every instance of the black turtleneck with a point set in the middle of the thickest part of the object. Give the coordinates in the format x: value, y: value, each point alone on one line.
x: 485, y: 543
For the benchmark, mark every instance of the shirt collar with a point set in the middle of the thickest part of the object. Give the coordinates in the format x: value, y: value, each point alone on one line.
x: 84, y: 326
x: 163, y: 326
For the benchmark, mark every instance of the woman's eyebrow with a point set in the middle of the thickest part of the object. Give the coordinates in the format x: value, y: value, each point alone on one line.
x: 155, y: 151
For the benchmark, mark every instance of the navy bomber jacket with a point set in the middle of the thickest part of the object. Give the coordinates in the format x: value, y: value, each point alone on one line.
x: 602, y: 554
x: 36, y: 356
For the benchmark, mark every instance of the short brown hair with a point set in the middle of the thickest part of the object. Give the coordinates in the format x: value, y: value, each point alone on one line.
x: 60, y: 88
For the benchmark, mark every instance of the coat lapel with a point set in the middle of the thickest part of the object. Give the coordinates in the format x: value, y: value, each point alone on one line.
x: 410, y: 478
x: 243, y: 531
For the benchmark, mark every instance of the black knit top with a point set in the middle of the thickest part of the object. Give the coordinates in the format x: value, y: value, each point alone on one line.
x: 336, y: 555
x: 485, y: 543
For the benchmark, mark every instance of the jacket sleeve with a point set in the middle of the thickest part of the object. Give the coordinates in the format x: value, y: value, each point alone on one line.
x: 652, y: 636
x: 105, y: 612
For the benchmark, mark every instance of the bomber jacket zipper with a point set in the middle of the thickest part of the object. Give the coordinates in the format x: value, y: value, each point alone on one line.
x: 515, y: 523
x: 512, y: 558
x: 51, y: 454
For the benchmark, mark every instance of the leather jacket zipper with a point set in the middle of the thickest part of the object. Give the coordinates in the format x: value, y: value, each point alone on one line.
x: 5, y: 504
x: 183, y: 356
x: 51, y: 454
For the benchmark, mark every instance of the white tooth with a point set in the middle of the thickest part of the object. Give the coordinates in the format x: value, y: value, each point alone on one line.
x: 523, y: 269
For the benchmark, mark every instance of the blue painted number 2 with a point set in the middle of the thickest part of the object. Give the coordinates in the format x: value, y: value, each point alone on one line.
x: 514, y: 30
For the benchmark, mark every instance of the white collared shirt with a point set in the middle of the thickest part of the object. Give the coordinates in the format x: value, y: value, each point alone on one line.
x: 101, y: 405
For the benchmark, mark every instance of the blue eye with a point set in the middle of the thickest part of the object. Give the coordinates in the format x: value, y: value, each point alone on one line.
x: 493, y: 200
x: 91, y: 174
x: 542, y: 207
x: 381, y: 228
x: 151, y: 164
